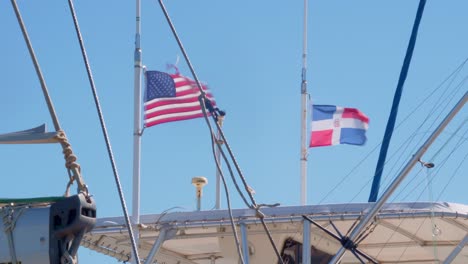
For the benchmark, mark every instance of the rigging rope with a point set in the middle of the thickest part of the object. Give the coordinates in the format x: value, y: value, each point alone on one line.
x: 439, y: 106
x: 434, y: 229
x: 254, y: 205
x: 71, y: 165
x: 437, y: 153
x: 202, y: 99
x: 453, y: 175
x: 450, y: 78
x: 10, y: 216
x: 204, y: 103
x: 73, y: 169
x: 449, y: 139
x: 231, y: 173
x: 104, y: 131
x: 50, y: 105
x: 228, y: 200
x: 440, y: 165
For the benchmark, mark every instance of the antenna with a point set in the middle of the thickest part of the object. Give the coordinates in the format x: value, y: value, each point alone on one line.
x: 199, y: 183
x: 136, y: 128
x: 304, y: 152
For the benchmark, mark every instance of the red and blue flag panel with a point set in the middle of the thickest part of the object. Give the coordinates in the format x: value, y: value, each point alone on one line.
x: 333, y: 125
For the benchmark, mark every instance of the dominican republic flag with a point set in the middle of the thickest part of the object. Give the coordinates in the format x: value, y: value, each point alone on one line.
x: 171, y: 97
x: 333, y: 125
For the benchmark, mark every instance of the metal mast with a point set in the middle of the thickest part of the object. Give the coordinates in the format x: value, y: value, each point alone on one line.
x: 136, y: 127
x: 304, y: 152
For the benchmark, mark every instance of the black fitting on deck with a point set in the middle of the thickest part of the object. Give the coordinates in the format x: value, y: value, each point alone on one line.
x: 348, y: 243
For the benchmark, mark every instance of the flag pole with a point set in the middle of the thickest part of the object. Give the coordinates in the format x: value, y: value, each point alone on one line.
x: 304, y: 151
x: 218, y: 157
x: 136, y: 129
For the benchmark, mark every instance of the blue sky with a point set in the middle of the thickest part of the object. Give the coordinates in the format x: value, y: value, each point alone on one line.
x: 249, y: 52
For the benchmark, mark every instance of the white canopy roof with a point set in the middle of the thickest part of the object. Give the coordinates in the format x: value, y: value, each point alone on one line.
x: 401, y: 233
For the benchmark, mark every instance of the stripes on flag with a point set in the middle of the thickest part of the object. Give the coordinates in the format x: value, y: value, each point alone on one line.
x: 171, y: 97
x: 333, y: 125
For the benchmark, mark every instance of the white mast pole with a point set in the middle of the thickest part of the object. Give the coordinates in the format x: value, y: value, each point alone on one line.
x: 304, y: 152
x: 136, y: 128
x: 218, y: 174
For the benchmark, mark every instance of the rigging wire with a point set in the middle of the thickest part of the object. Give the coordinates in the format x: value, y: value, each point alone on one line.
x: 72, y: 167
x: 399, y: 168
x: 440, y: 106
x: 213, y: 141
x: 104, y: 131
x: 453, y: 175
x: 462, y: 140
x: 440, y: 165
x: 231, y: 173
x: 204, y: 103
x: 369, y: 180
x: 397, y: 227
x: 458, y: 144
x: 349, y: 174
x: 255, y: 206
x: 445, y: 144
x: 461, y: 100
x: 226, y: 190
x: 388, y: 160
x: 403, y: 189
x: 434, y: 227
x: 430, y: 179
x: 45, y: 91
x: 449, y: 139
x: 450, y: 79
x: 414, y: 234
x: 436, y: 107
x: 452, y: 76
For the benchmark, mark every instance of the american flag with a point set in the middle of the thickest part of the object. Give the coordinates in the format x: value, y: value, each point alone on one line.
x: 171, y: 97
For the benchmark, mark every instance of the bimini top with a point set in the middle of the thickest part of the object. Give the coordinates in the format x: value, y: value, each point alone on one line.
x: 416, y: 232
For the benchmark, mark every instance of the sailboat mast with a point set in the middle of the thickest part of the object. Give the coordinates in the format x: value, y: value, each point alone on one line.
x: 304, y: 112
x: 137, y: 126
